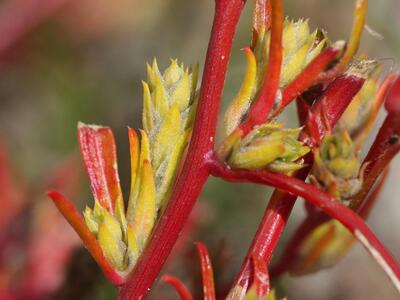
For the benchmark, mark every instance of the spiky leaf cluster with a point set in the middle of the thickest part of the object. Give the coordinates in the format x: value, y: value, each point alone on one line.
x: 300, y: 47
x: 337, y: 166
x: 269, y: 146
x: 169, y: 104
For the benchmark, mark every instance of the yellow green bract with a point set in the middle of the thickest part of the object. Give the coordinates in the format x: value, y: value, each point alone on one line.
x: 337, y: 166
x: 322, y: 248
x: 269, y: 146
x: 169, y: 105
x: 300, y: 47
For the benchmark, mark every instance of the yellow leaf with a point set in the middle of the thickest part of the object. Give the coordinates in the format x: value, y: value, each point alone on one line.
x: 145, y: 211
x: 90, y: 220
x: 181, y: 93
x: 168, y: 174
x: 240, y: 104
x: 135, y: 189
x: 166, y: 137
x: 110, y: 240
x: 259, y: 155
x: 147, y: 118
x: 160, y: 98
x: 132, y: 245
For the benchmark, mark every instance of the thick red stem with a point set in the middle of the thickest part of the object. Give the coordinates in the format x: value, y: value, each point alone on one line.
x: 194, y: 172
x: 329, y: 205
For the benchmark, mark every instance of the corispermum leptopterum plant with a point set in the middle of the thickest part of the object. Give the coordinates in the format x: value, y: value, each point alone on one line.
x: 338, y: 98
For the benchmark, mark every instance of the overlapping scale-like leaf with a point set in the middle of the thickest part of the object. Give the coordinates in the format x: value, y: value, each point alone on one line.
x: 169, y: 103
x: 269, y: 146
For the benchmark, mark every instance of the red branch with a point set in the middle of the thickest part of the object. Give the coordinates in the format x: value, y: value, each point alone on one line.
x: 336, y: 98
x: 194, y: 171
x: 206, y: 272
x: 179, y: 286
x: 329, y: 205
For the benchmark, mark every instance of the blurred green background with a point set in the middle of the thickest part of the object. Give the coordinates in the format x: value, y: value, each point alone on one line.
x: 84, y: 62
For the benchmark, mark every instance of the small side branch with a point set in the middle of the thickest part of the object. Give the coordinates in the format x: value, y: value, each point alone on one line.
x: 329, y: 205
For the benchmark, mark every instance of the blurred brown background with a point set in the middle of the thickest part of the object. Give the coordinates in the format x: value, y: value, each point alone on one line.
x: 62, y: 61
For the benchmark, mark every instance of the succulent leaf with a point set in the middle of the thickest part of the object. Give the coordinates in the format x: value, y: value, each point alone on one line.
x: 268, y: 146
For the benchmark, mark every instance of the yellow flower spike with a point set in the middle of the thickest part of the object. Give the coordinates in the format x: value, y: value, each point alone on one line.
x: 145, y: 210
x: 167, y: 136
x: 240, y: 104
x: 110, y: 239
x: 163, y: 191
x: 181, y: 95
x: 299, y: 48
x: 147, y: 118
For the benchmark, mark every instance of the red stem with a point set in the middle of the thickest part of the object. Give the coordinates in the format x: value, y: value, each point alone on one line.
x: 179, y: 286
x: 329, y: 205
x: 316, y: 219
x: 194, y: 171
x: 261, y: 19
